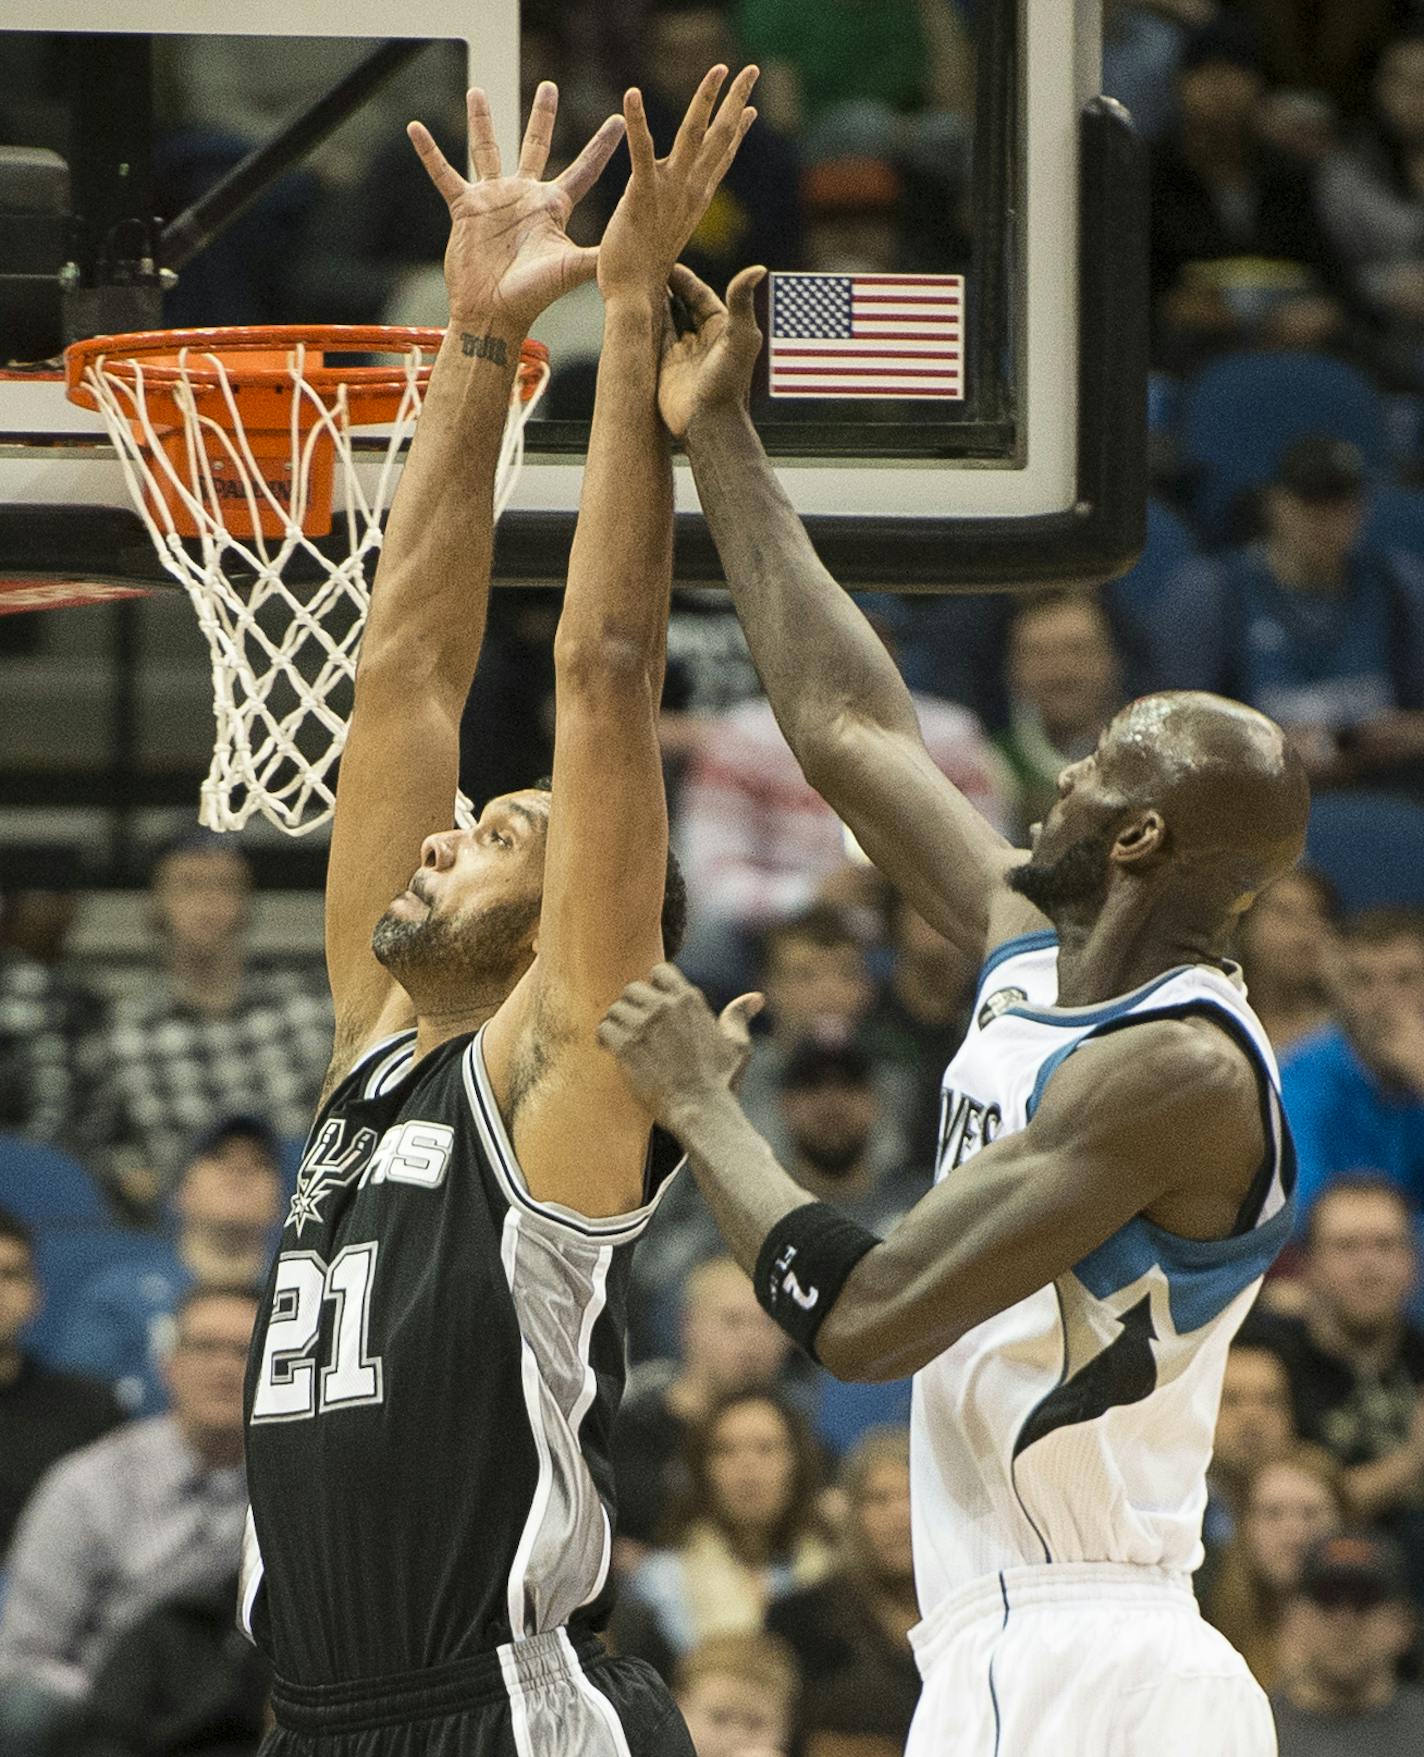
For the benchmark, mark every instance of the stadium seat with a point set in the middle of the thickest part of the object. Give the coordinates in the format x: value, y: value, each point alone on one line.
x: 69, y: 1256
x: 1240, y: 413
x: 846, y: 1411
x: 1397, y: 520
x: 1170, y: 543
x: 40, y: 1184
x: 1370, y: 846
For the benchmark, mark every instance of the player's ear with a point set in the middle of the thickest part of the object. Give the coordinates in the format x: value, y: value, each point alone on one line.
x: 1140, y: 840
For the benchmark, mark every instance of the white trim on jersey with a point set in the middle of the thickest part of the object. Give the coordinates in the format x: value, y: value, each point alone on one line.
x: 592, y: 1312
x: 533, y: 1409
x: 602, y: 1707
x: 616, y: 1228
x: 400, y: 1057
x: 251, y: 1573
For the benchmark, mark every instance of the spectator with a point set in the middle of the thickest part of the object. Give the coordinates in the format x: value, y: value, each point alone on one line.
x: 816, y: 980
x: 756, y: 838
x: 1370, y: 199
x: 1349, y: 1624
x: 736, y: 1693
x: 1284, y: 942
x: 1141, y: 51
x: 749, y: 1529
x: 150, y: 1511
x: 1356, y: 1364
x: 855, y: 218
x: 729, y: 1344
x: 1291, y: 1502
x: 1235, y: 254
x: 1312, y: 625
x: 918, y: 1020
x: 1254, y: 1425
x: 228, y: 1204
x: 894, y: 78
x: 43, y: 1414
x: 837, y: 1135
x: 1324, y: 49
x: 1065, y: 684
x: 52, y: 1084
x: 1354, y: 1093
x: 183, y: 1682
x: 851, y: 1632
x: 212, y: 1036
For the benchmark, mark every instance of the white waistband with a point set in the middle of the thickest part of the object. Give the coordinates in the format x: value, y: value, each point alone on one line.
x: 1023, y: 1589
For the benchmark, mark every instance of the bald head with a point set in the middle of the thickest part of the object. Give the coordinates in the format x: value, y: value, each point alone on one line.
x: 1224, y: 777
x: 1202, y: 796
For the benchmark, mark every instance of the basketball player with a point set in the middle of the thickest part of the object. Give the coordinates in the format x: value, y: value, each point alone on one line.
x: 437, y: 1367
x: 1113, y: 1176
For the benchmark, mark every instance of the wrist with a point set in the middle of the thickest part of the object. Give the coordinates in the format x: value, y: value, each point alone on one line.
x: 628, y: 306
x: 690, y: 1112
x: 718, y: 423
x: 491, y: 338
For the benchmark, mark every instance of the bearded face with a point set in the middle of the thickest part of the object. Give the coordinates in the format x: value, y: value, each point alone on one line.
x: 466, y: 951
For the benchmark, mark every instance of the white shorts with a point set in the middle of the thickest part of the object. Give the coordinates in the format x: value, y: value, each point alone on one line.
x: 1083, y: 1660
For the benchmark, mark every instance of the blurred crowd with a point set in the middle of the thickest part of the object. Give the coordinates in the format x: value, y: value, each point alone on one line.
x: 151, y: 1139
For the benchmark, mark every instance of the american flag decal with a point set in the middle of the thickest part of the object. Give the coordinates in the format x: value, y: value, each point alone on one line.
x: 899, y: 336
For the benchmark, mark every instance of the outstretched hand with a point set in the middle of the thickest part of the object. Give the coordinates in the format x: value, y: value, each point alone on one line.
x: 509, y: 256
x: 711, y: 365
x: 666, y: 198
x: 672, y: 1050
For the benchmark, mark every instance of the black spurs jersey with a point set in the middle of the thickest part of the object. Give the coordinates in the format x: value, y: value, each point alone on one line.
x: 432, y: 1385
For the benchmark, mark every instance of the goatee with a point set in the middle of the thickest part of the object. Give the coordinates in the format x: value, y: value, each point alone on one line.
x: 431, y: 949
x: 1076, y: 880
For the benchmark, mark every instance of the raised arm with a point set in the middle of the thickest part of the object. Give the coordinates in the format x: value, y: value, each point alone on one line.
x: 606, y: 859
x: 507, y: 259
x: 1163, y: 1119
x: 833, y: 687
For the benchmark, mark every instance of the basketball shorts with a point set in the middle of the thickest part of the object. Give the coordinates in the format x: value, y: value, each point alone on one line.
x: 549, y: 1696
x: 1083, y: 1660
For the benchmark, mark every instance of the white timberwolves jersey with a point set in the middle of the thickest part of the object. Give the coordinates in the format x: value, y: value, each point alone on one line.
x: 1077, y: 1425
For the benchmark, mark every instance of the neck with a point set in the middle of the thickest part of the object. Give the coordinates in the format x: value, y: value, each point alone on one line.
x: 690, y: 1395
x: 1319, y: 1696
x: 11, y: 1360
x: 1305, y: 572
x: 1120, y: 949
x: 1368, y: 1350
x: 437, y: 1026
x: 749, y: 1544
x: 215, y: 1448
x: 1216, y: 149
x: 211, y: 1257
x: 855, y: 1180
x: 208, y: 979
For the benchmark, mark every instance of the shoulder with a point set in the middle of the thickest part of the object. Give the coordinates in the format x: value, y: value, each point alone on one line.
x: 1157, y: 1070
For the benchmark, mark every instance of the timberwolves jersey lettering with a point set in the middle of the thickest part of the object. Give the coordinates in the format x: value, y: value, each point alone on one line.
x: 431, y: 1388
x: 1077, y: 1425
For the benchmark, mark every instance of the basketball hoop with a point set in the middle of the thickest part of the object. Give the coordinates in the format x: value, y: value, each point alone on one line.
x: 235, y: 445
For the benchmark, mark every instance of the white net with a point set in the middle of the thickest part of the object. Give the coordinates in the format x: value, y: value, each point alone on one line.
x: 282, y: 612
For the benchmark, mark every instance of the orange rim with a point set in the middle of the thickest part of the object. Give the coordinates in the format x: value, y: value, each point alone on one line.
x: 121, y: 353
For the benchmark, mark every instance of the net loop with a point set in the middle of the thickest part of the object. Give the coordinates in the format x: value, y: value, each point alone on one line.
x: 238, y: 450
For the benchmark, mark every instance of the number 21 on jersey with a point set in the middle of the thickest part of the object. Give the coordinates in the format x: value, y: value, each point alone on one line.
x: 292, y: 1385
